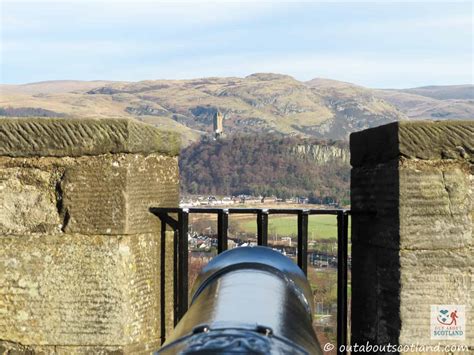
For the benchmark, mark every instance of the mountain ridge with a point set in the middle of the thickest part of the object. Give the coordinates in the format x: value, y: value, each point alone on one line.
x: 258, y: 103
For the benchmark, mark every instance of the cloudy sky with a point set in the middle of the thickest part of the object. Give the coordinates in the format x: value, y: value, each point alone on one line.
x: 376, y: 44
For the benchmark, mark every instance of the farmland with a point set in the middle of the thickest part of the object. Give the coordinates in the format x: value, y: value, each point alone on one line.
x: 320, y: 227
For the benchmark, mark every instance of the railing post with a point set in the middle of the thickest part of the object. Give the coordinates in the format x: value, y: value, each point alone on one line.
x: 181, y: 252
x: 342, y: 221
x: 183, y: 217
x: 303, y: 241
x: 262, y: 227
x: 222, y: 230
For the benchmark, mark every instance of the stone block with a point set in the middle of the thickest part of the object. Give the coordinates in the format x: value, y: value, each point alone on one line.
x: 435, y: 205
x: 112, y: 194
x: 105, y: 194
x: 152, y: 181
x: 412, y: 204
x: 426, y: 140
x: 433, y: 277
x: 28, y: 200
x: 59, y: 137
x: 77, y: 290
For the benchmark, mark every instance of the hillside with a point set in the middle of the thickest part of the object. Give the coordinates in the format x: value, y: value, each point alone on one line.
x: 267, y: 165
x: 435, y: 102
x: 258, y: 103
x: 449, y: 92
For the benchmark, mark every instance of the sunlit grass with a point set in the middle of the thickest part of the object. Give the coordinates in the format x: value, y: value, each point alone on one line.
x: 322, y: 227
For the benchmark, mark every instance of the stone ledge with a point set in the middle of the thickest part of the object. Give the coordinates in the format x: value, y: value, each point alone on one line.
x: 76, y: 137
x: 426, y: 140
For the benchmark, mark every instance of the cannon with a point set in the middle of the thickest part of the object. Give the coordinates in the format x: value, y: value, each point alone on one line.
x: 248, y: 300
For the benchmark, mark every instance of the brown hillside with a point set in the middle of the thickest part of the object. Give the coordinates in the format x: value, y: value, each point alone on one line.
x: 258, y: 103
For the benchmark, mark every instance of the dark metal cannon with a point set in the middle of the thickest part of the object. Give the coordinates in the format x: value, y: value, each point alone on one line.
x: 250, y: 300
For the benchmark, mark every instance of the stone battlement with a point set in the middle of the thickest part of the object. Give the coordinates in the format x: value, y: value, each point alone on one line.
x: 415, y: 249
x: 80, y: 259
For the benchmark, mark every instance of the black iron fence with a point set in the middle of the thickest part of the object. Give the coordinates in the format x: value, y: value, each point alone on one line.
x: 178, y: 220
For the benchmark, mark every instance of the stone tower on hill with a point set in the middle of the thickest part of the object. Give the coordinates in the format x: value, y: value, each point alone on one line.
x: 218, y: 125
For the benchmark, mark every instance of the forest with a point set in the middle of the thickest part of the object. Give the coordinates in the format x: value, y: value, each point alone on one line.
x: 263, y: 165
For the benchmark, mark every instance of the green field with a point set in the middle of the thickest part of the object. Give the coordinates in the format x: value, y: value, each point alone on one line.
x: 319, y: 227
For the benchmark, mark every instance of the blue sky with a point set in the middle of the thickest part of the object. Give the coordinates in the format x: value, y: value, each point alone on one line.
x: 376, y: 44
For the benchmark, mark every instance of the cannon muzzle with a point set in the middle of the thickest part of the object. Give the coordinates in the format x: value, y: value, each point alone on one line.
x: 249, y: 300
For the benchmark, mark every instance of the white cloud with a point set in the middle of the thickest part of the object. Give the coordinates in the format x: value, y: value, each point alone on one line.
x: 89, y: 48
x: 16, y: 15
x: 65, y: 46
x: 444, y: 23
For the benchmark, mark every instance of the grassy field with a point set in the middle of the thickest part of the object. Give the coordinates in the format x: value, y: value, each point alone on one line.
x: 319, y: 227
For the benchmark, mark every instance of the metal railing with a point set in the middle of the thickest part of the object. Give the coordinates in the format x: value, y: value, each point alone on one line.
x: 178, y: 220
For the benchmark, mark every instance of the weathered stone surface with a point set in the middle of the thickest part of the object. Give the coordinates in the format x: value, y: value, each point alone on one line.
x: 364, y: 304
x: 168, y: 276
x: 76, y: 290
x: 412, y: 229
x: 375, y: 283
x: 28, y: 201
x: 152, y: 180
x: 9, y: 348
x: 427, y: 140
x: 435, y: 205
x: 431, y: 277
x: 388, y: 298
x: 82, y: 260
x: 113, y: 194
x: 374, y: 204
x: 413, y: 204
x: 105, y: 194
x: 77, y: 137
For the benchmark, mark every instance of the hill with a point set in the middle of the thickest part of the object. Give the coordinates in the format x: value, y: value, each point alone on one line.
x: 53, y: 87
x: 258, y: 103
x: 267, y: 165
x: 448, y: 92
x: 433, y: 102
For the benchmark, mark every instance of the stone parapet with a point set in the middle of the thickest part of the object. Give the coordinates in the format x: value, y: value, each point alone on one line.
x: 412, y: 229
x: 80, y: 252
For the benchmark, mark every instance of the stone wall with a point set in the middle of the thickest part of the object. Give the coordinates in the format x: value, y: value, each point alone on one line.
x: 79, y: 251
x: 412, y: 229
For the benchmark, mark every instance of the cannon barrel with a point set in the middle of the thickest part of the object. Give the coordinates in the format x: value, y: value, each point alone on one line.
x: 249, y: 300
